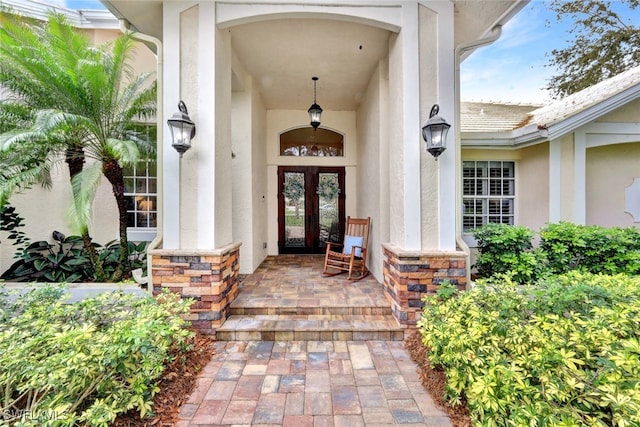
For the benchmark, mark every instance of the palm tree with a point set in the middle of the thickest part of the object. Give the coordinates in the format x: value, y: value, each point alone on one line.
x: 69, y: 100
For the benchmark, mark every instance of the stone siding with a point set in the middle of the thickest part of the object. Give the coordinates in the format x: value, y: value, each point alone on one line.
x: 410, y: 275
x: 210, y: 278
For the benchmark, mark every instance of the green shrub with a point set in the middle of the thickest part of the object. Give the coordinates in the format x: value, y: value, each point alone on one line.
x: 12, y: 222
x: 66, y: 260
x: 85, y: 363
x: 565, y: 352
x: 506, y: 249
x: 591, y: 248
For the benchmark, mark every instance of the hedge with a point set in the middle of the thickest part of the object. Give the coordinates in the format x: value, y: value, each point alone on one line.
x: 84, y: 363
x: 565, y: 352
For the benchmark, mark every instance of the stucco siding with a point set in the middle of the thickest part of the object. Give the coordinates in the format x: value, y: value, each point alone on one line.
x: 368, y: 174
x: 242, y: 163
x: 567, y: 172
x: 627, y: 114
x: 259, y: 193
x: 532, y: 191
x: 610, y: 170
x: 429, y: 182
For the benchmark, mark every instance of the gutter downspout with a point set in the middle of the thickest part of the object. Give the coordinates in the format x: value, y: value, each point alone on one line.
x: 494, y: 35
x: 125, y: 26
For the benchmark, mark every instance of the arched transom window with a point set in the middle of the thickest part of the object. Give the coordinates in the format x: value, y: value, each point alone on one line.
x: 306, y: 142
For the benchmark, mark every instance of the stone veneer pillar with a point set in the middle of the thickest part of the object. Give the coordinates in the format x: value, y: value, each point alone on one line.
x: 209, y: 277
x: 410, y: 275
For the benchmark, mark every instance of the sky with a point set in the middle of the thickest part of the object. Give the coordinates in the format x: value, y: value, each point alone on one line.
x: 513, y: 69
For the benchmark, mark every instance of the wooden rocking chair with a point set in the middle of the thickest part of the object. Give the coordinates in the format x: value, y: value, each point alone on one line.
x: 352, y: 257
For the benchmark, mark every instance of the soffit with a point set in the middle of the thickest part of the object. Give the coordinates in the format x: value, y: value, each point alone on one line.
x: 282, y: 55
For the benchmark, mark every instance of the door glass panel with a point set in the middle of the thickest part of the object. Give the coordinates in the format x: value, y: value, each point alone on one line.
x: 328, y: 193
x: 294, y: 197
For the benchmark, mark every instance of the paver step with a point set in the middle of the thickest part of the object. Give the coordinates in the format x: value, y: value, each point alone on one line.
x: 309, y: 311
x: 316, y: 327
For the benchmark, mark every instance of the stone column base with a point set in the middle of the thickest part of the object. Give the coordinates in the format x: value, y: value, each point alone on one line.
x: 210, y: 277
x: 409, y: 275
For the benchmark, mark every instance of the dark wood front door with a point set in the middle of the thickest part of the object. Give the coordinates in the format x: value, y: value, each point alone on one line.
x: 310, y: 208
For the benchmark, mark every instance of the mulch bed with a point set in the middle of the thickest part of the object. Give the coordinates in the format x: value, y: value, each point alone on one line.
x: 434, y: 381
x: 175, y: 386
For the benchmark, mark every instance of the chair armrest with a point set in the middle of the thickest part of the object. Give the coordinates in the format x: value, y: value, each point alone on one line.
x: 363, y: 250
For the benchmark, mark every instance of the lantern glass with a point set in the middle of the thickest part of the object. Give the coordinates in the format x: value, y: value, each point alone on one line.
x: 315, y: 112
x: 181, y: 135
x: 182, y: 129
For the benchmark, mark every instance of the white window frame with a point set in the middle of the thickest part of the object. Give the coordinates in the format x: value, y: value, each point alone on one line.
x: 142, y: 234
x: 467, y: 234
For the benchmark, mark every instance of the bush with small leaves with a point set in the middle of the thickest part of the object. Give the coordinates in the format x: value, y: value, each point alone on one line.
x: 507, y: 249
x: 591, y: 248
x: 564, y: 352
x: 85, y: 363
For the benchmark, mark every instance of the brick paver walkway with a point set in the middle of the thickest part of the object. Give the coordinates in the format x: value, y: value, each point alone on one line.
x: 311, y: 383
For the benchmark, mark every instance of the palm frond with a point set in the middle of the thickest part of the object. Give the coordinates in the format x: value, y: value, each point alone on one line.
x: 84, y: 187
x: 126, y: 151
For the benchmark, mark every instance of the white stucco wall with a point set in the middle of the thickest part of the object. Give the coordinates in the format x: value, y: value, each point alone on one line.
x: 627, y: 114
x: 567, y: 173
x: 372, y: 158
x: 395, y: 135
x: 429, y: 182
x: 249, y: 176
x: 610, y: 169
x: 532, y: 186
x: 259, y: 192
x: 187, y: 84
x: 242, y: 161
x: 202, y: 80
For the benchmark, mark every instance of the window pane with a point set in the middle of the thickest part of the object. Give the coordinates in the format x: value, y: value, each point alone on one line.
x: 294, y: 196
x: 140, y: 194
x: 306, y: 142
x: 328, y: 191
x: 488, y: 193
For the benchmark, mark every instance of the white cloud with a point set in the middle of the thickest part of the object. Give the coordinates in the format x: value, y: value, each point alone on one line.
x: 513, y: 69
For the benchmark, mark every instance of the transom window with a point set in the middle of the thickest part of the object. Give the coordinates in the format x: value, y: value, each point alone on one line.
x: 488, y: 193
x: 307, y: 142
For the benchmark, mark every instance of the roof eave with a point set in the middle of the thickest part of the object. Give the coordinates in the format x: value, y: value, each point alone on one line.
x: 93, y: 19
x: 589, y: 114
x: 518, y: 138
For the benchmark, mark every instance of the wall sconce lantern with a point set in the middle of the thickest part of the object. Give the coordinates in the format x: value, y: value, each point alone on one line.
x: 435, y: 132
x: 182, y: 129
x: 315, y: 111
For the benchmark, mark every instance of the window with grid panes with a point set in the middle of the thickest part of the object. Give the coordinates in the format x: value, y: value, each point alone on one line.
x: 488, y: 194
x: 141, y: 192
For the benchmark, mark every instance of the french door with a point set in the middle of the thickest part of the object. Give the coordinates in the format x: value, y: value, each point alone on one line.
x: 310, y: 208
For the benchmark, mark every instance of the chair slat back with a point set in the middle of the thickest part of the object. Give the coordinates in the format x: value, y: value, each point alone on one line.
x: 358, y: 227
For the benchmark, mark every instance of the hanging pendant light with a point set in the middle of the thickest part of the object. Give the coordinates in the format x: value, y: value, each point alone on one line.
x: 315, y: 111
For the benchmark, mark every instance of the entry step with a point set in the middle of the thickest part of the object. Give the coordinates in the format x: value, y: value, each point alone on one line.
x: 299, y: 327
x: 358, y: 311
